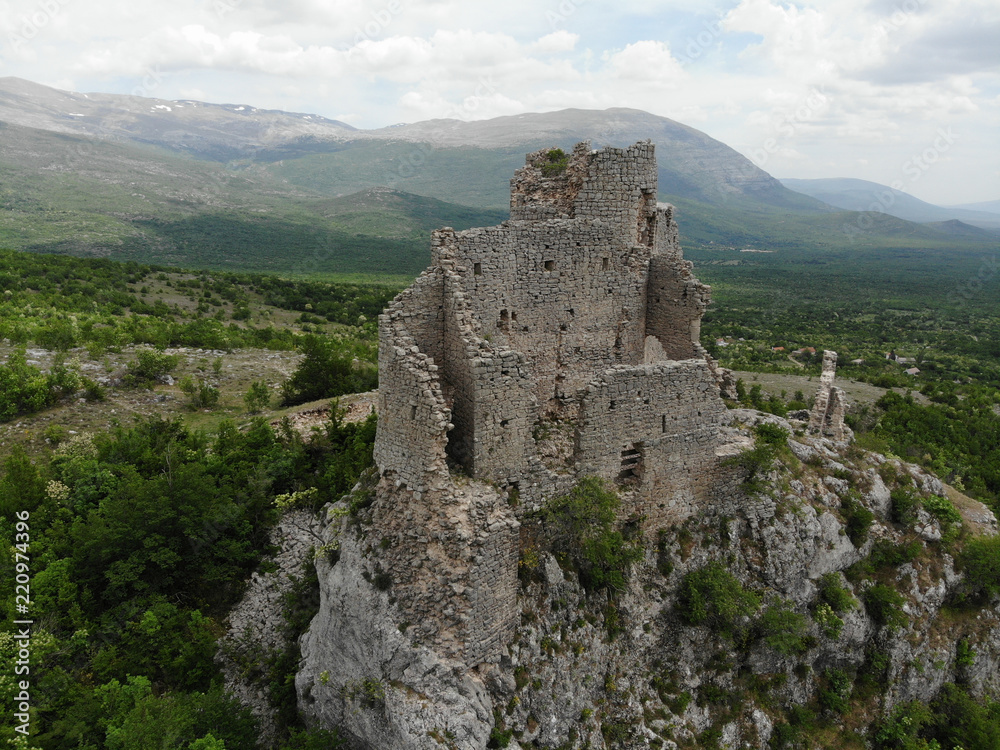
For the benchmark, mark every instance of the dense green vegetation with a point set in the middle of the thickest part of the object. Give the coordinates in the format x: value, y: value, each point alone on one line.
x: 581, y: 529
x: 140, y: 538
x: 934, y: 307
x: 59, y: 303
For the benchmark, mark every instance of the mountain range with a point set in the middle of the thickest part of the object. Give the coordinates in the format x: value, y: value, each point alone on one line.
x: 238, y: 187
x: 862, y: 195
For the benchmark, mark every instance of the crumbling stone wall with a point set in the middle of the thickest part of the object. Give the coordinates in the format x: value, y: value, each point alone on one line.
x: 676, y: 299
x: 827, y: 415
x: 413, y: 416
x: 450, y: 558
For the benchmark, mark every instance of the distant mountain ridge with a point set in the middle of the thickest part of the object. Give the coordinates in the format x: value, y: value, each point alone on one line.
x: 861, y: 195
x: 234, y: 186
x: 212, y: 131
x: 691, y: 162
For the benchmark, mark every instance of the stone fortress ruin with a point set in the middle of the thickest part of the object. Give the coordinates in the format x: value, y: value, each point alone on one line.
x: 560, y: 344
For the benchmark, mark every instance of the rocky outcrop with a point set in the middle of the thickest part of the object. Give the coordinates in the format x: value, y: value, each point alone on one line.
x: 591, y: 670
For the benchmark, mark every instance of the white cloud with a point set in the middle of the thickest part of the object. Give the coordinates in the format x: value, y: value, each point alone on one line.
x: 891, y: 70
x: 557, y: 41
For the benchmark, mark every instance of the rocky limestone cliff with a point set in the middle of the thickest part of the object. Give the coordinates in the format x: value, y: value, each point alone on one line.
x: 588, y: 670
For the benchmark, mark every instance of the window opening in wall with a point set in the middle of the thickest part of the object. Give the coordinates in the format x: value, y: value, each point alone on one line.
x: 605, y: 264
x: 477, y: 269
x: 550, y: 265
x: 413, y: 412
x: 504, y: 322
x: 513, y: 492
x: 513, y: 316
x: 631, y: 466
x: 663, y: 423
x: 611, y: 407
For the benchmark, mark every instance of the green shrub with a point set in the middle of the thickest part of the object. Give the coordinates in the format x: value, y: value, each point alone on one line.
x: 580, y: 527
x: 555, y: 162
x: 884, y: 605
x: 887, y: 554
x: 148, y: 366
x: 201, y: 394
x: 757, y: 461
x: 953, y: 719
x: 771, y: 434
x: 838, y: 597
x: 829, y: 623
x: 257, y: 397
x: 23, y: 388
x: 712, y: 596
x: 904, y: 506
x: 980, y: 561
x: 858, y: 519
x: 836, y: 691
x: 942, y: 509
x: 328, y: 369
x: 965, y: 656
x: 784, y: 629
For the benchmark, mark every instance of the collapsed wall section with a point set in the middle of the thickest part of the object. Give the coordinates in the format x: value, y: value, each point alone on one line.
x: 413, y: 416
x: 676, y: 300
x: 655, y: 429
x: 827, y: 415
x: 449, y: 557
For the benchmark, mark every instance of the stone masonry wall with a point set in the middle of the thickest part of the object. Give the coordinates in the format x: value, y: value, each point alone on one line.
x: 656, y: 430
x: 567, y: 293
x: 451, y: 558
x: 827, y: 415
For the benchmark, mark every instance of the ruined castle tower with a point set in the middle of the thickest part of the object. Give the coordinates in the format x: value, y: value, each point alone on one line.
x: 559, y: 344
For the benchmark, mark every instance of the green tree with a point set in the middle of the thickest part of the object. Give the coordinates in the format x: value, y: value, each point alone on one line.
x: 327, y: 369
x: 257, y: 397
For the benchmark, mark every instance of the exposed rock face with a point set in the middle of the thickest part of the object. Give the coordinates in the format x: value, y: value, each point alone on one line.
x: 256, y: 624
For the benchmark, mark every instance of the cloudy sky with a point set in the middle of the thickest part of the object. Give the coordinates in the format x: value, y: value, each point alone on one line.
x: 901, y: 92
